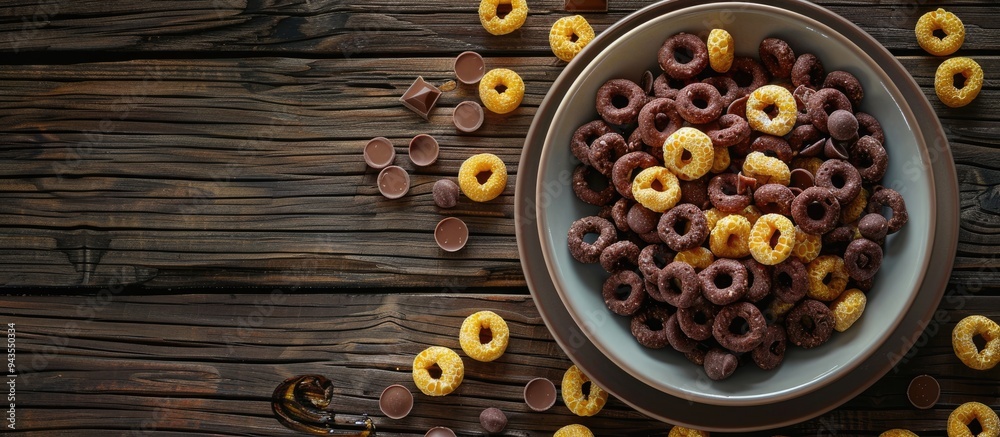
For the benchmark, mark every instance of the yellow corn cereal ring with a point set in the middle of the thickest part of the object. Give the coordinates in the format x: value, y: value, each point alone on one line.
x: 680, y: 431
x: 712, y: 217
x: 959, y: 420
x: 452, y: 371
x: 752, y: 213
x: 946, y: 22
x: 965, y: 348
x: 782, y: 99
x: 698, y: 159
x: 730, y: 238
x: 827, y: 277
x: 762, y: 235
x: 807, y: 163
x: 569, y: 35
x: 847, y: 308
x: 656, y: 188
x: 721, y: 161
x: 853, y: 210
x: 580, y: 403
x: 898, y: 432
x: 944, y: 81
x: 807, y: 246
x: 699, y: 258
x: 574, y: 430
x: 501, y: 90
x: 766, y: 169
x: 721, y: 50
x: 483, y: 163
x: 777, y: 309
x: 509, y: 23
x: 472, y: 335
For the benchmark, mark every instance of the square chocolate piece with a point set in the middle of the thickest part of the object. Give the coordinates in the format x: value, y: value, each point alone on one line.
x: 421, y: 97
x: 586, y: 6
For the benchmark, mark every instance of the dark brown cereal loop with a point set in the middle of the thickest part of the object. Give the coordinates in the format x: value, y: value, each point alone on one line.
x: 720, y: 364
x: 619, y: 101
x: 624, y: 293
x: 842, y: 125
x: 699, y: 103
x: 619, y: 214
x: 634, y: 141
x: 748, y: 74
x: 771, y: 350
x: 680, y: 342
x: 778, y: 57
x: 696, y: 320
x: 667, y: 87
x: 809, y: 324
x: 585, y: 192
x: 840, y: 234
x: 758, y: 280
x: 888, y: 197
x: 667, y: 56
x: 739, y: 327
x: 732, y: 129
x: 869, y: 125
x: 590, y: 252
x: 677, y: 285
x: 808, y: 72
x: 605, y: 151
x: 771, y: 145
x: 723, y: 195
x: 657, y: 120
x: 847, y: 84
x: 869, y: 158
x: 621, y: 173
x: 696, y: 356
x: 726, y: 86
x: 822, y: 103
x: 863, y: 258
x: 724, y: 281
x: 642, y: 220
x: 873, y: 226
x: 649, y: 326
x: 695, y: 192
x: 584, y: 136
x: 774, y: 199
x: 620, y: 255
x: 790, y: 280
x: 803, y: 135
x: 816, y: 210
x: 841, y: 177
x: 683, y: 227
x: 652, y: 259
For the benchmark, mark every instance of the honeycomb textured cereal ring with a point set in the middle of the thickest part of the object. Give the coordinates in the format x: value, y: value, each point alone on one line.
x: 822, y: 287
x: 501, y: 102
x: 966, y: 349
x: 574, y: 430
x: 452, y: 371
x: 959, y: 420
x: 470, y: 336
x: 652, y: 198
x: 944, y: 81
x: 807, y: 246
x: 946, y: 22
x: 847, y: 309
x: 698, y: 159
x: 509, y: 23
x: 699, y: 257
x: 766, y: 169
x: 762, y: 235
x: 898, y: 432
x: 721, y: 50
x: 468, y: 177
x: 780, y: 98
x: 578, y: 402
x: 569, y: 35
x: 680, y: 431
x: 730, y: 238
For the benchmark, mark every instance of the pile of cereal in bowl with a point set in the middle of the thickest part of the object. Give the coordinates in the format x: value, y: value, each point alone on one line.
x: 741, y: 205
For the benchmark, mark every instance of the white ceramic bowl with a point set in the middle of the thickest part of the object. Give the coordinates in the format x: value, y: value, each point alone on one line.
x: 803, y: 371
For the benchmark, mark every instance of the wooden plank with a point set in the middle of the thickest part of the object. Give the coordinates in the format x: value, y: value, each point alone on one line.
x: 208, y: 363
x: 341, y: 29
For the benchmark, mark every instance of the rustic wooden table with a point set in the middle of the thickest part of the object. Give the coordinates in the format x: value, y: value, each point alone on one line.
x: 186, y: 221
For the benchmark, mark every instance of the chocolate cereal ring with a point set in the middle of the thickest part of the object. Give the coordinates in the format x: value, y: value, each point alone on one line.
x: 452, y: 371
x: 584, y: 136
x: 586, y: 193
x: 619, y: 101
x: 471, y: 336
x: 946, y: 22
x: 678, y: 285
x: 768, y: 96
x: 841, y: 178
x: 660, y: 198
x: 657, y: 120
x: 569, y: 35
x: 724, y: 282
x: 732, y: 130
x: 862, y: 259
x: 846, y: 83
x: 605, y: 151
x: 944, y: 81
x: 827, y: 277
x: 696, y: 320
x: 688, y: 153
x: 619, y: 215
x: 739, y: 327
x: 730, y: 238
x: 683, y: 227
x: 773, y: 146
x: 808, y: 72
x: 719, y: 364
x: 869, y: 125
x: 726, y: 87
x: 501, y: 26
x: 620, y: 255
x: 771, y: 350
x: 578, y: 402
x: 802, y: 136
x: 722, y: 192
x: 891, y: 198
x: 501, y: 90
x: 758, y: 280
x: 721, y: 50
x: 667, y: 56
x: 765, y: 246
x: 816, y: 210
x: 869, y: 158
x: 476, y: 165
x: 699, y: 103
x: 809, y: 324
x: 667, y: 87
x: 965, y: 348
x: 621, y: 173
x: 583, y: 251
x: 766, y: 169
x: 624, y: 292
x: 790, y: 281
x: 774, y: 199
x: 652, y: 259
x: 677, y: 339
x: 959, y: 420
x: 847, y: 309
x: 777, y: 57
x: 649, y: 326
x: 822, y: 103
x: 748, y: 74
